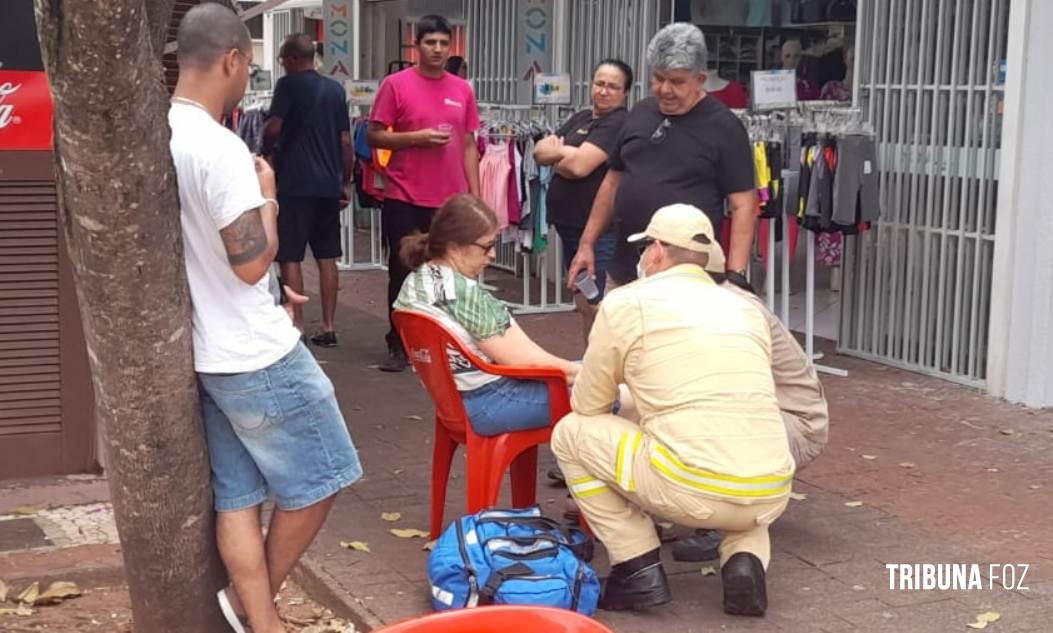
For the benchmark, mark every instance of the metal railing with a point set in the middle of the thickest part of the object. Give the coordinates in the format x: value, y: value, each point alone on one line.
x: 917, y: 287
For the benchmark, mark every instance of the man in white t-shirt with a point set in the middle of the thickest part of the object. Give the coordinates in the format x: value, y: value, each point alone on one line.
x: 272, y: 422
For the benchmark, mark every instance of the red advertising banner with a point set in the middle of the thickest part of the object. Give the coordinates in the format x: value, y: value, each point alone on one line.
x: 25, y: 111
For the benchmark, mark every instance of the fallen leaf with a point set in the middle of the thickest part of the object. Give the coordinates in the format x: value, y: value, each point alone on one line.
x: 409, y: 533
x: 992, y: 470
x: 358, y: 546
x: 414, y: 417
x: 295, y: 602
x: 984, y: 619
x: 398, y: 471
x: 907, y: 464
x: 709, y: 571
x: 57, y: 592
x: 26, y: 511
x: 1007, y: 431
x: 430, y: 545
x: 292, y: 619
x: 3, y: 591
x: 869, y: 456
x: 322, y: 362
x: 391, y: 516
x: 853, y: 504
x: 29, y: 594
x: 21, y: 610
x: 1034, y: 486
x: 858, y: 588
x: 798, y: 496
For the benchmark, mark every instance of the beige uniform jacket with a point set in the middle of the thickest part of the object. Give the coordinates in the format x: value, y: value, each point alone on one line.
x: 697, y: 360
x: 797, y: 386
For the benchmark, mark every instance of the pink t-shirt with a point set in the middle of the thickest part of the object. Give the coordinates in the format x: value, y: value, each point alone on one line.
x: 408, y: 101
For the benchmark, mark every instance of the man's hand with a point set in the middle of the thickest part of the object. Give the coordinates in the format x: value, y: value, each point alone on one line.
x: 292, y: 299
x: 266, y: 177
x: 584, y: 259
x: 431, y: 137
x: 346, y: 193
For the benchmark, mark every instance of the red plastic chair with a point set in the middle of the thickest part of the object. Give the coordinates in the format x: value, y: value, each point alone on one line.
x: 500, y: 619
x: 426, y: 342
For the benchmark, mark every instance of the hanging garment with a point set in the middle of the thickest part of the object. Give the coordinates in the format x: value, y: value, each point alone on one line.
x: 513, y: 206
x: 494, y: 170
x: 855, y: 192
x: 733, y: 95
x: 829, y: 249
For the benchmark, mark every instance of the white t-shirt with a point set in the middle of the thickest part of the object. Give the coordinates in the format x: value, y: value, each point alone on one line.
x: 237, y: 327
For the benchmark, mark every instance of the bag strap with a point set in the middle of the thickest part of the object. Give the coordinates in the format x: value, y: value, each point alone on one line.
x: 497, y: 578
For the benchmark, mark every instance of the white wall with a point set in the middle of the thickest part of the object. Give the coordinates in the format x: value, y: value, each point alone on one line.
x: 1020, y: 365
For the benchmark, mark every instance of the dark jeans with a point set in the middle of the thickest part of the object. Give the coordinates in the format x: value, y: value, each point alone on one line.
x: 397, y: 220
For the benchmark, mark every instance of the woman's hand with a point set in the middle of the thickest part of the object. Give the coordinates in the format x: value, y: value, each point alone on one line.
x: 549, y: 150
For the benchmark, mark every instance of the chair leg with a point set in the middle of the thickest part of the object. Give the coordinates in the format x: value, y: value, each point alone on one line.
x: 442, y: 460
x: 484, y: 474
x: 524, y: 478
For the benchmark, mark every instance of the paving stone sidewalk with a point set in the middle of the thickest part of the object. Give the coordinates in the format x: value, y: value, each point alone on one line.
x: 943, y: 474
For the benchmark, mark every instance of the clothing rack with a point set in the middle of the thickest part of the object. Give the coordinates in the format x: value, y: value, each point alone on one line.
x: 786, y: 127
x: 515, y: 122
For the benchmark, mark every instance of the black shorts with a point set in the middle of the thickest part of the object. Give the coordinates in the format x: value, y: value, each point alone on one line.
x: 303, y: 221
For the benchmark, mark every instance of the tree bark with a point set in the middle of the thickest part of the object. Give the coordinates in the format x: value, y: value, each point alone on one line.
x: 120, y: 213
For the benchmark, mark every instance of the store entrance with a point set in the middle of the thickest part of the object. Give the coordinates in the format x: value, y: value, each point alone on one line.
x: 815, y: 38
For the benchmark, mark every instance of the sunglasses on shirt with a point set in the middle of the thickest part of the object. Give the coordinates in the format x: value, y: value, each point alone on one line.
x: 659, y: 133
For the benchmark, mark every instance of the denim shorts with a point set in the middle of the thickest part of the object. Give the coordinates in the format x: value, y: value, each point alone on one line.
x: 276, y: 432
x: 507, y: 404
x: 603, y: 251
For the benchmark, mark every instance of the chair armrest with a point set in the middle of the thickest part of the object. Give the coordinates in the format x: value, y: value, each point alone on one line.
x: 554, y: 378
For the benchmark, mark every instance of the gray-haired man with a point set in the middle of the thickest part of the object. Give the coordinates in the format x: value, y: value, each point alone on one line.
x: 677, y: 147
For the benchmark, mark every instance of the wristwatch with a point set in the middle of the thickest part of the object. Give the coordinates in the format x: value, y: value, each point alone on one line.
x: 738, y: 277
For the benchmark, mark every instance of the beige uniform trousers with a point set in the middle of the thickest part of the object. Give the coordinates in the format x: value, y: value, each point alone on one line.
x: 587, y: 448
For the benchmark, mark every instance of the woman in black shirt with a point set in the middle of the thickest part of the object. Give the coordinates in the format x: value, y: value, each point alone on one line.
x: 579, y: 151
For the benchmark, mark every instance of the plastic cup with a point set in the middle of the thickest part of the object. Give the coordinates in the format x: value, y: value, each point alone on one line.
x: 445, y: 128
x: 586, y: 285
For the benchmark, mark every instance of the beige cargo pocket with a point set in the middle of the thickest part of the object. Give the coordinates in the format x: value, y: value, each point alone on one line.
x: 768, y: 516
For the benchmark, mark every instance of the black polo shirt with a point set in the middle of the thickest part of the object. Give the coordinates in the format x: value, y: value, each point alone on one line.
x: 569, y: 201
x: 696, y: 158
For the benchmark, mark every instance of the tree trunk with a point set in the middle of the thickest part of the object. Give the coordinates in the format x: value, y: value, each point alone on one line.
x: 120, y: 213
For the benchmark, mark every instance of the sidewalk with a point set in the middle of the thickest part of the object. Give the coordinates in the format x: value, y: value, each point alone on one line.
x: 944, y: 475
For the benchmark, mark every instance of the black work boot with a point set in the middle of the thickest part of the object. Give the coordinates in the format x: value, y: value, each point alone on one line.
x: 701, y: 546
x: 745, y: 592
x: 636, y: 584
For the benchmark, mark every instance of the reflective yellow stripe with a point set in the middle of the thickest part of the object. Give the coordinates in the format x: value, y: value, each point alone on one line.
x: 627, y: 447
x: 587, y: 487
x: 764, y: 486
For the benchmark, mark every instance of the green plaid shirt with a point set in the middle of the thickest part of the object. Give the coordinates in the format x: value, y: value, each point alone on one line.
x: 464, y: 307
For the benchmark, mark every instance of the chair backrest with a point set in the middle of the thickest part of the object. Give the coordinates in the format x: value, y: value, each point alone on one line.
x: 500, y: 619
x: 427, y: 343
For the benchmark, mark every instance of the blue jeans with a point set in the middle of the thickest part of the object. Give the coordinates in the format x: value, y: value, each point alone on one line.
x: 570, y: 237
x: 278, y: 431
x: 507, y: 404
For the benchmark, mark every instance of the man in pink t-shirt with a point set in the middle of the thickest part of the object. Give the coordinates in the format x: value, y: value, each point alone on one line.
x: 432, y: 116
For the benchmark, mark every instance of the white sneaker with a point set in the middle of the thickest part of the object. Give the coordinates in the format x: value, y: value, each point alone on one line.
x: 228, y: 611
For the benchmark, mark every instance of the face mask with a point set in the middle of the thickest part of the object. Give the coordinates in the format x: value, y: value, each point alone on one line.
x: 640, y: 272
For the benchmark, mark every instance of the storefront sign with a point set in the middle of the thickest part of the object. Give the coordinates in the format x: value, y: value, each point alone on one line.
x: 552, y: 89
x: 361, y: 92
x: 339, y: 61
x: 25, y: 111
x: 773, y: 89
x: 534, y: 45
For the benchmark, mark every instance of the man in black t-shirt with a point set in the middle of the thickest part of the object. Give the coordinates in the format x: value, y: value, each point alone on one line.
x: 309, y: 120
x: 676, y: 147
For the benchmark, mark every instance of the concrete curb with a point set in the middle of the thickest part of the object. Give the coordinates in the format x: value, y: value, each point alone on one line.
x: 326, y: 590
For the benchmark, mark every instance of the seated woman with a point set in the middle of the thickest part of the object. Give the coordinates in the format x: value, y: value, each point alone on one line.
x: 446, y: 262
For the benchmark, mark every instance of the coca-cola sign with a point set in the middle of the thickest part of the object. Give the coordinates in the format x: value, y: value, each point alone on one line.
x: 25, y: 111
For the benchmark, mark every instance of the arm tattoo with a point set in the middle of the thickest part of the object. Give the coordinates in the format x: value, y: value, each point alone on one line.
x: 245, y: 238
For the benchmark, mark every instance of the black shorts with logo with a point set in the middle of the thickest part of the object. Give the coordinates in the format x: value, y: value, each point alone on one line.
x: 303, y: 221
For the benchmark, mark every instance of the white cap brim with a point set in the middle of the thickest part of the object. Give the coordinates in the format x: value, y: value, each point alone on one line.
x: 636, y: 237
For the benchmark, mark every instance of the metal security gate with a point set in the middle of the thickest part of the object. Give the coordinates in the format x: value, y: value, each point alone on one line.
x: 917, y: 287
x: 611, y: 28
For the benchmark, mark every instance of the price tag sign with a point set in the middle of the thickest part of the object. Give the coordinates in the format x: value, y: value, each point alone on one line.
x: 552, y: 89
x: 773, y: 89
x: 361, y: 92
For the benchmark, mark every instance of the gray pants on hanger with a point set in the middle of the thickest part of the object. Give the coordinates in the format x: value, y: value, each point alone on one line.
x: 856, y: 180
